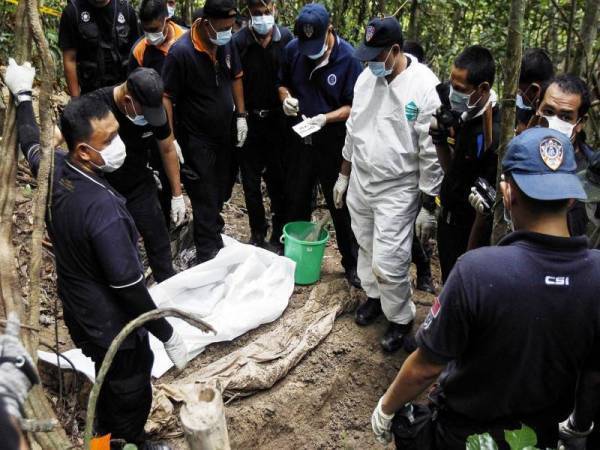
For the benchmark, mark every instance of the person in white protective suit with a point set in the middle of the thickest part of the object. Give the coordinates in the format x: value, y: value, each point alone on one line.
x: 389, y: 162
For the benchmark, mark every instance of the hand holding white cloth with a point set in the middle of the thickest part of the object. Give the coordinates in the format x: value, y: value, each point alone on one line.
x: 177, y: 210
x: 339, y: 189
x: 19, y: 78
x: 177, y: 351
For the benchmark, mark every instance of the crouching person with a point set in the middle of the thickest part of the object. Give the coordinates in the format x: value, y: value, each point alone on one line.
x: 514, y: 334
x: 100, y: 278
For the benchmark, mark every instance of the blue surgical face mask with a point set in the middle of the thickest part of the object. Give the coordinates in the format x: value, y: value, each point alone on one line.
x: 263, y: 24
x: 137, y: 119
x: 460, y: 101
x: 323, y: 50
x: 223, y: 37
x: 378, y: 68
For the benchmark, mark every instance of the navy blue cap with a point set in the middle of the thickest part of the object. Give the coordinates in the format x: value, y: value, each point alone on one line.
x: 379, y: 35
x: 542, y: 163
x: 311, y: 27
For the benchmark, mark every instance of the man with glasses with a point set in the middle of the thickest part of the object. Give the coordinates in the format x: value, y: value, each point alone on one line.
x: 203, y: 83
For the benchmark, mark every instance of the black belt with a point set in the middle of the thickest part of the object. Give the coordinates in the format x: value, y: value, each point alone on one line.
x: 263, y: 113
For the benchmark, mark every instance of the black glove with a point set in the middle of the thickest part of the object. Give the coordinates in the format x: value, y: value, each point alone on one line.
x: 439, y: 135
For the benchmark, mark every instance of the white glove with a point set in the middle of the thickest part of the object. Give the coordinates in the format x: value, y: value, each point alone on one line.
x: 319, y: 120
x: 339, y: 189
x: 177, y: 210
x: 571, y: 439
x: 242, y: 131
x: 176, y: 351
x: 14, y: 383
x: 382, y: 424
x: 478, y: 202
x: 179, y: 152
x: 426, y: 225
x: 19, y: 78
x: 291, y: 106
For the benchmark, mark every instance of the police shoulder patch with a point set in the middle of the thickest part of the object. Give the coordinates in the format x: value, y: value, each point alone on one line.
x: 552, y: 152
x: 369, y: 33
x: 121, y: 18
x: 85, y: 16
x: 332, y: 79
x: 309, y: 30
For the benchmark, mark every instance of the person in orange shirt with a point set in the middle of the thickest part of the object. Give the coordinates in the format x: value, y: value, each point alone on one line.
x: 159, y: 34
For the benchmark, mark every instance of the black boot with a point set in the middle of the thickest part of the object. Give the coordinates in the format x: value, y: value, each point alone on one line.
x: 425, y: 284
x: 368, y: 311
x: 394, y: 336
x: 352, y: 278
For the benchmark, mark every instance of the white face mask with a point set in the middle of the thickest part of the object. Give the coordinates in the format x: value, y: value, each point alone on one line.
x: 170, y: 11
x: 113, y: 155
x: 563, y: 126
x: 155, y: 38
x: 263, y: 24
x: 223, y: 37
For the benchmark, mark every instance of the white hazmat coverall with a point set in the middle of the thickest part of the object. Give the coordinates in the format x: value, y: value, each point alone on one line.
x: 393, y: 158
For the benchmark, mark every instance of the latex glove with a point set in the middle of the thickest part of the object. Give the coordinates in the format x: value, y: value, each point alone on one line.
x: 177, y: 351
x: 478, y: 202
x: 14, y: 382
x: 339, y: 189
x: 179, y: 152
x: 177, y: 210
x: 242, y: 131
x: 426, y: 225
x: 571, y: 439
x: 382, y: 424
x: 291, y: 106
x: 319, y: 120
x: 19, y: 78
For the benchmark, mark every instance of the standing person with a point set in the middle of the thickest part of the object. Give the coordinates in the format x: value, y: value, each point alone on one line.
x: 467, y: 150
x: 316, y: 80
x: 95, y: 37
x: 515, y: 333
x: 260, y: 47
x: 100, y: 278
x: 536, y: 72
x: 138, y: 108
x: 203, y: 79
x: 160, y: 33
x: 390, y: 161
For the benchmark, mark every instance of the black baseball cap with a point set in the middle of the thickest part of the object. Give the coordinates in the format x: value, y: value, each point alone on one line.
x: 146, y: 86
x: 311, y: 27
x: 220, y: 9
x: 542, y: 163
x: 379, y: 35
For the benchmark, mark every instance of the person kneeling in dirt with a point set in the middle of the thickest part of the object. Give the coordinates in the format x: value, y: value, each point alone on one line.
x: 100, y: 277
x: 516, y: 328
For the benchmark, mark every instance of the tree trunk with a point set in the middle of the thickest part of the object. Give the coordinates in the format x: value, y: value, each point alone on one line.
x: 589, y: 28
x: 512, y: 68
x: 570, y: 33
x: 413, y: 22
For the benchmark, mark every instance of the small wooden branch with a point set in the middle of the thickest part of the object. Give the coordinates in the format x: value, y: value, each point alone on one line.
x: 160, y: 313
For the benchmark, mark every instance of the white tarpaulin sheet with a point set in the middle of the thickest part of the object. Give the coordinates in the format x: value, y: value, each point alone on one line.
x: 239, y: 290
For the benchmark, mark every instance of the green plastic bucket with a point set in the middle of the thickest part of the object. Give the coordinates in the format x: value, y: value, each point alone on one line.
x: 307, y: 255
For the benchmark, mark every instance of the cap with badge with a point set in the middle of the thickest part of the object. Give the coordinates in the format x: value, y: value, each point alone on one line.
x: 541, y: 161
x: 311, y: 27
x: 590, y: 179
x: 219, y: 9
x: 380, y: 34
x: 146, y: 86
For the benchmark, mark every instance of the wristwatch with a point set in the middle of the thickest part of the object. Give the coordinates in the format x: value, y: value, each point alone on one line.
x: 22, y: 96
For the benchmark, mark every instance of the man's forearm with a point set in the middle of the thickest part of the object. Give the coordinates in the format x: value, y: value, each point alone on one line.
x: 415, y: 376
x: 587, y: 400
x: 346, y: 167
x: 444, y: 156
x: 171, y: 164
x: 339, y: 115
x: 70, y: 68
x: 238, y: 95
x: 283, y: 93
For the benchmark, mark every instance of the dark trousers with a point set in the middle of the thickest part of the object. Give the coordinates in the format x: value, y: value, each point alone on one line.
x: 206, y: 176
x: 320, y: 161
x: 144, y: 207
x: 421, y: 258
x: 452, y: 240
x: 164, y: 194
x: 126, y: 395
x: 260, y: 158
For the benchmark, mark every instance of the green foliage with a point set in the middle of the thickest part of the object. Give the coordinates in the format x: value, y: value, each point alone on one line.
x: 481, y: 442
x: 522, y: 439
x: 130, y: 447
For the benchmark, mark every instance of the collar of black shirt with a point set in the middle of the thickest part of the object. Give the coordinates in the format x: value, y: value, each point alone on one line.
x: 546, y: 241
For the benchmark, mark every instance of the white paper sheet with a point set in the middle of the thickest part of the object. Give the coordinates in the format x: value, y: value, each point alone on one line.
x: 305, y: 128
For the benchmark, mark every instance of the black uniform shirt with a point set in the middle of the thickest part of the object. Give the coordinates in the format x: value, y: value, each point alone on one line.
x: 516, y: 323
x: 138, y: 142
x: 471, y: 160
x: 200, y: 87
x: 261, y: 67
